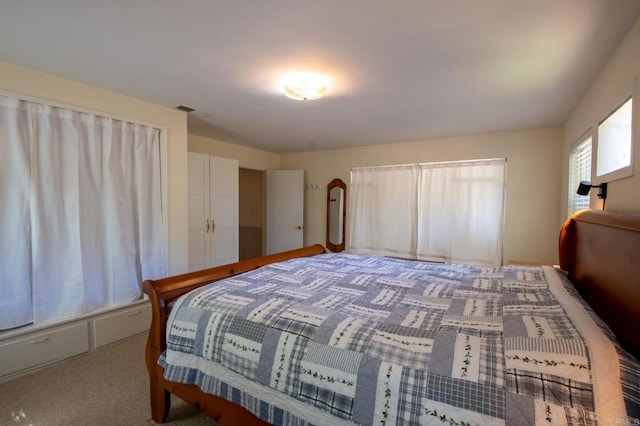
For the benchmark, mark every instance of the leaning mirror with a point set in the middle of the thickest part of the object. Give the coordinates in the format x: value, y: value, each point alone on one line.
x: 336, y: 202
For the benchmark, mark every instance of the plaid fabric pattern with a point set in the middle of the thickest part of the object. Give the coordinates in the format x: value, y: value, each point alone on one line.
x: 491, y: 362
x: 554, y: 389
x: 630, y: 375
x: 562, y: 327
x: 300, y: 328
x: 579, y: 416
x: 397, y: 354
x: 488, y: 284
x: 413, y: 385
x: 209, y: 384
x: 239, y: 364
x: 247, y: 329
x: 225, y: 303
x: 340, y: 405
x: 417, y: 317
x: 468, y: 395
x: 292, y: 380
x: 559, y: 325
x: 289, y: 325
x: 361, y: 336
x: 523, y: 273
x: 214, y: 334
x: 181, y: 344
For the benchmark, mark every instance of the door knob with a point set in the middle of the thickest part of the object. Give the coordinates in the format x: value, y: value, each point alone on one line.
x: 299, y: 227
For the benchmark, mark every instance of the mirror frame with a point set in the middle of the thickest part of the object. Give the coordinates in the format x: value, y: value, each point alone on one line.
x: 337, y: 183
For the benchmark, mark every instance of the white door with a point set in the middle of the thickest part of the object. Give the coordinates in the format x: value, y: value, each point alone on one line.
x: 224, y: 210
x: 285, y: 210
x: 198, y: 211
x: 212, y: 211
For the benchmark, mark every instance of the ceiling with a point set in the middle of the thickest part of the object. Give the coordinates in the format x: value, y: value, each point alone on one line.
x: 399, y: 70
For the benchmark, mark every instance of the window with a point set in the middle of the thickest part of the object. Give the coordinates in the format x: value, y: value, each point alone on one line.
x: 383, y: 217
x: 579, y: 169
x: 451, y: 212
x: 81, y: 217
x: 614, y: 143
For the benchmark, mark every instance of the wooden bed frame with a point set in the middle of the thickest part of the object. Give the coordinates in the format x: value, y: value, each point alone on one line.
x: 163, y: 291
x: 600, y: 250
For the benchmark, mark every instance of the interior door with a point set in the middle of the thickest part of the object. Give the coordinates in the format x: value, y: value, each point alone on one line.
x: 284, y: 210
x: 198, y: 211
x: 224, y: 210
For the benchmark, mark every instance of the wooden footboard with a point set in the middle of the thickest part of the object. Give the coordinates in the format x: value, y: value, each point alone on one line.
x: 163, y: 291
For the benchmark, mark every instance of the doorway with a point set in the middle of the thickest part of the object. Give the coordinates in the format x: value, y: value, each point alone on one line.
x: 251, y: 213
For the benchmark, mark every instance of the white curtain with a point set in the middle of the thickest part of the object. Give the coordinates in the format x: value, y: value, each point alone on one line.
x: 452, y: 212
x: 461, y: 212
x: 382, y: 220
x: 15, y: 225
x: 81, y: 199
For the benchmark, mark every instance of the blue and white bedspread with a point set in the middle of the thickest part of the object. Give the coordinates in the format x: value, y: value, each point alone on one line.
x: 355, y: 339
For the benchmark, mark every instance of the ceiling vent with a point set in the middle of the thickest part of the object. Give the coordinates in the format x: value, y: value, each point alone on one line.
x: 185, y: 108
x: 192, y: 111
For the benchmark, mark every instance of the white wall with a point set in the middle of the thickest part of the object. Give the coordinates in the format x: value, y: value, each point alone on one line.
x: 537, y: 159
x: 620, y: 70
x: 22, y: 81
x: 533, y: 173
x: 248, y: 158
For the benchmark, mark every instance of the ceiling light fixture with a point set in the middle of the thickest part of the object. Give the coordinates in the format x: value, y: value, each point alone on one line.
x: 305, y: 87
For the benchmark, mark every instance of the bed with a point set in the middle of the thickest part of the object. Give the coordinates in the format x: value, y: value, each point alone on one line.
x: 308, y: 337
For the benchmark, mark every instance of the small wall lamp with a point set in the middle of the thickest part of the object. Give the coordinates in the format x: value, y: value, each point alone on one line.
x: 585, y: 186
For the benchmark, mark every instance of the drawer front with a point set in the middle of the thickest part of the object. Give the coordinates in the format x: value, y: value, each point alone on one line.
x: 119, y: 325
x: 43, y: 347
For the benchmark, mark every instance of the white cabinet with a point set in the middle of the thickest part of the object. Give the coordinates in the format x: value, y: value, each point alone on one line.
x: 212, y: 211
x: 43, y: 347
x: 116, y: 326
x: 30, y: 348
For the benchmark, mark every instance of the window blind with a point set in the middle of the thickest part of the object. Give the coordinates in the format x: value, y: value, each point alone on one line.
x: 579, y: 169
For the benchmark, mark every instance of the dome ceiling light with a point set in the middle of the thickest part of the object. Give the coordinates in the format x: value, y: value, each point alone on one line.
x: 305, y: 87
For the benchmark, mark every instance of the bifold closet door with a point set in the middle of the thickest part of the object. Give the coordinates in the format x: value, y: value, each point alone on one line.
x: 213, y: 211
x: 223, y: 198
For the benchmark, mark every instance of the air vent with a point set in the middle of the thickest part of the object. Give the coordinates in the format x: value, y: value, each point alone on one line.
x: 193, y: 112
x: 185, y: 108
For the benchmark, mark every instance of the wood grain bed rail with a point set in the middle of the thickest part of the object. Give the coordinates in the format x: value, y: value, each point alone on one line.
x: 163, y: 291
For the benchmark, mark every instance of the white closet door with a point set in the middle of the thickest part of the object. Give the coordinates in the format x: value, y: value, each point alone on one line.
x: 198, y: 189
x: 285, y: 210
x: 224, y: 210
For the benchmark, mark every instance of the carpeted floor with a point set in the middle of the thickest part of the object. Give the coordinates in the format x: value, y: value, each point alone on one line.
x: 105, y: 387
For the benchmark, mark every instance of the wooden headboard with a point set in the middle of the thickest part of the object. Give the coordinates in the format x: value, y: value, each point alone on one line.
x: 601, y: 252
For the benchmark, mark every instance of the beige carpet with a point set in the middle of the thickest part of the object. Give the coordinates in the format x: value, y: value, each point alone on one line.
x: 105, y: 387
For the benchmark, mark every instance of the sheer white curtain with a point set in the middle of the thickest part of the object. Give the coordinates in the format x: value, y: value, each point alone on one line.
x: 382, y: 220
x: 81, y: 199
x: 461, y: 212
x: 15, y: 228
x: 451, y: 212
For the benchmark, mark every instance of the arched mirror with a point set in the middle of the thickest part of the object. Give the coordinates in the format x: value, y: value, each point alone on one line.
x: 336, y: 214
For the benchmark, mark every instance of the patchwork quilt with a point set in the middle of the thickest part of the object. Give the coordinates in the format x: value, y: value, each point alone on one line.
x: 367, y: 340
